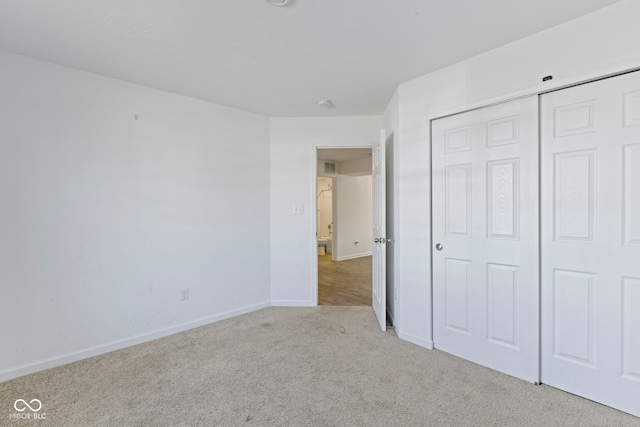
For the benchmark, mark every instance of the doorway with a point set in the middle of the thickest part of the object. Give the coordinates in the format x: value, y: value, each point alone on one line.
x: 344, y: 226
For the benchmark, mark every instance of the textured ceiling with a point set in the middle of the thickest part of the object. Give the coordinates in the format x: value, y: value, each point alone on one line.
x: 276, y: 61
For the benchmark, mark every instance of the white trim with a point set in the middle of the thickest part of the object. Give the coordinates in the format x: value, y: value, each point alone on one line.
x: 293, y: 303
x: 314, y: 232
x: 128, y: 342
x: 360, y: 255
x: 422, y: 342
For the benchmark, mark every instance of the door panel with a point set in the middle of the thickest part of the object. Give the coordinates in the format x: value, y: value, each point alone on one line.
x: 502, y: 299
x: 502, y: 204
x: 458, y: 200
x: 485, y: 217
x: 631, y: 328
x: 573, y: 316
x: 590, y: 237
x: 632, y: 194
x: 574, y: 195
x: 456, y: 295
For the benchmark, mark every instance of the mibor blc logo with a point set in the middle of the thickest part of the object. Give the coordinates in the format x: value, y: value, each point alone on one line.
x: 21, y: 405
x: 28, y: 410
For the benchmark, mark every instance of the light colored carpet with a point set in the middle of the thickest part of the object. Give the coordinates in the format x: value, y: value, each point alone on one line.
x: 321, y: 366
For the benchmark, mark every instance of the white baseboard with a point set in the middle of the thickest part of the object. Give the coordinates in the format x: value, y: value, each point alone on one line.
x: 292, y: 303
x: 128, y: 342
x: 415, y: 340
x: 343, y: 258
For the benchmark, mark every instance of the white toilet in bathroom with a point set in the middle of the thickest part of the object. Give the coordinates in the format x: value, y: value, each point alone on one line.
x: 329, y: 246
x: 324, y: 245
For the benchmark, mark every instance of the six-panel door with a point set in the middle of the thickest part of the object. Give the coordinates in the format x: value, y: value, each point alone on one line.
x: 485, y: 235
x: 591, y: 241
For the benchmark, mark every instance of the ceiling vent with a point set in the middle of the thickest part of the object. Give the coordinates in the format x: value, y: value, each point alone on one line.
x: 329, y: 168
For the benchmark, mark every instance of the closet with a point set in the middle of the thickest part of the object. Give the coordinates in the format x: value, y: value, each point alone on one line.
x: 536, y: 257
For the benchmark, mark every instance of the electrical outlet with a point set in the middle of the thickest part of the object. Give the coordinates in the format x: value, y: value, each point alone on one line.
x: 298, y: 209
x: 184, y: 294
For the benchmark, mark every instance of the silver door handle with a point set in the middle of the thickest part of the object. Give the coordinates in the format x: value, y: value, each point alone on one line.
x: 439, y: 246
x: 380, y: 240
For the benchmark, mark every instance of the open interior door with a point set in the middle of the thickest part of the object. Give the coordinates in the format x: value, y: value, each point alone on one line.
x: 379, y: 232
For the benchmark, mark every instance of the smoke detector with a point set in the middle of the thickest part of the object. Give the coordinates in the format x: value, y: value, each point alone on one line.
x: 279, y: 2
x: 325, y: 103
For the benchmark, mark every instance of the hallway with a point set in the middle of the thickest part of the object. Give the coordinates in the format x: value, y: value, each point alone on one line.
x: 344, y: 282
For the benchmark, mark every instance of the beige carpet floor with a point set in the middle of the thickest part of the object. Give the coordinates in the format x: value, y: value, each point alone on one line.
x: 322, y: 366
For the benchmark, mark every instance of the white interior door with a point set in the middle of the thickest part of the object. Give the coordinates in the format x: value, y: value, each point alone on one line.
x: 591, y: 241
x: 485, y: 236
x: 325, y: 211
x: 379, y: 294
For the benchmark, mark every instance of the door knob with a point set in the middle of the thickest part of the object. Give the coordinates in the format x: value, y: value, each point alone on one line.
x: 439, y: 246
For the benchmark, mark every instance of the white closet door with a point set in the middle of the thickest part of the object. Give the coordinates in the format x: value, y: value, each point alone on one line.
x: 591, y: 241
x: 485, y: 236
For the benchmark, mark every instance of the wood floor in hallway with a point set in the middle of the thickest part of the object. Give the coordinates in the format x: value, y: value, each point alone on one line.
x: 345, y: 282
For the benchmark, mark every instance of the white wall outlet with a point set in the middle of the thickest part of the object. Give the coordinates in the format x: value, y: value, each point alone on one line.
x: 184, y: 294
x: 298, y: 209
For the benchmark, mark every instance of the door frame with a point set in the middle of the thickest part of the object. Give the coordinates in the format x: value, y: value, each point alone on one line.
x: 314, y: 209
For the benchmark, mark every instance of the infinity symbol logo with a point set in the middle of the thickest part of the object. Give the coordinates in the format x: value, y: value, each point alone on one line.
x: 26, y: 405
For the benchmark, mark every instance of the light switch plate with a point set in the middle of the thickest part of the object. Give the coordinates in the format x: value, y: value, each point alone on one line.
x: 298, y: 209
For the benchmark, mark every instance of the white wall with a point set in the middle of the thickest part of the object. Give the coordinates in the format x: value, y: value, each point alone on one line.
x: 293, y: 143
x: 104, y: 217
x: 596, y: 44
x: 354, y: 225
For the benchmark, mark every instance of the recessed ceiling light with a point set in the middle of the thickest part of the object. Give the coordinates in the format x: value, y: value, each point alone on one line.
x: 325, y: 103
x: 279, y: 2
